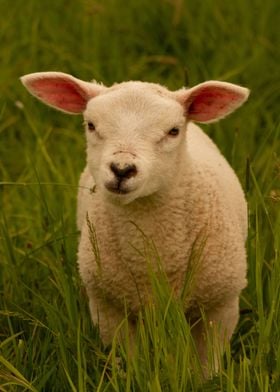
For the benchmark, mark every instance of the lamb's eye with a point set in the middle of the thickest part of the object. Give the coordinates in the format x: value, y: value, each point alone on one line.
x: 91, y: 126
x: 174, y: 132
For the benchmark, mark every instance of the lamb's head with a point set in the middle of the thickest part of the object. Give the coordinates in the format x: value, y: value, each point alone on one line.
x: 136, y: 132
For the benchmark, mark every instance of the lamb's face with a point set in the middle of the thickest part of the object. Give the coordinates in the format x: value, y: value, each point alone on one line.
x: 135, y: 135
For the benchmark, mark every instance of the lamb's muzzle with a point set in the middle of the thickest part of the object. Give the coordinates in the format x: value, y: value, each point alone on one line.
x: 123, y: 172
x: 121, y: 175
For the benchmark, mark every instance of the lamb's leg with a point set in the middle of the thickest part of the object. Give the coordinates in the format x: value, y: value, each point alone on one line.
x: 216, y: 330
x: 111, y: 321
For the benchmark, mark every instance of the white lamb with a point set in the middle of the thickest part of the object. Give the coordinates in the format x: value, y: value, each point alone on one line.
x: 151, y: 170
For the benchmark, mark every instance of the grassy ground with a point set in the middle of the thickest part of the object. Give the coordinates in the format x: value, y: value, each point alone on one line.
x: 47, y: 342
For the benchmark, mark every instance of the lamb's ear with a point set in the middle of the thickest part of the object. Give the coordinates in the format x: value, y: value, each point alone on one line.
x: 61, y: 91
x: 210, y: 101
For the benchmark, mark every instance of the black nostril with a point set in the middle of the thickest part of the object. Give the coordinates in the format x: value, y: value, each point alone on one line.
x: 126, y: 171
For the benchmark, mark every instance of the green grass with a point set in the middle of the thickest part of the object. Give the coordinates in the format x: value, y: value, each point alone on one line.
x: 47, y: 342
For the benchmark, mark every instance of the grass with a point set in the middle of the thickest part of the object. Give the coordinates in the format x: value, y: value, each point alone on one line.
x: 47, y: 342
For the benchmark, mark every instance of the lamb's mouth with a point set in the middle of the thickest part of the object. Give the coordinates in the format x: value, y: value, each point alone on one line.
x: 118, y: 187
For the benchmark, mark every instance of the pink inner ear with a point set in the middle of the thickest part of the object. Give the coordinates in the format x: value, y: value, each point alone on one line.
x: 62, y: 94
x: 211, y: 103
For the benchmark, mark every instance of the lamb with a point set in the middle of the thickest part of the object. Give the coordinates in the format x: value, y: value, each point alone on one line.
x: 151, y: 170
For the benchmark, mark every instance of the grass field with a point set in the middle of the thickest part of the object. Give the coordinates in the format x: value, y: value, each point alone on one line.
x: 47, y: 342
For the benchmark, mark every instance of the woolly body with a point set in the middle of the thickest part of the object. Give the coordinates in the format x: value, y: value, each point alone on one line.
x: 206, y: 201
x: 155, y: 176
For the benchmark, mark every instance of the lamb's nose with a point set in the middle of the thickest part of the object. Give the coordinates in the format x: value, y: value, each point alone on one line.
x: 123, y: 172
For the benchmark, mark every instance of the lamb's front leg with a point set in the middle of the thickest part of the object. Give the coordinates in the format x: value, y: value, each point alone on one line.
x: 216, y: 329
x: 111, y: 321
